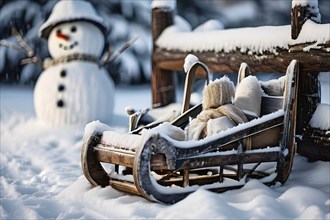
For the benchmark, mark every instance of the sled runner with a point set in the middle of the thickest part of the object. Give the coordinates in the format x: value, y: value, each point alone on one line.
x: 156, y: 163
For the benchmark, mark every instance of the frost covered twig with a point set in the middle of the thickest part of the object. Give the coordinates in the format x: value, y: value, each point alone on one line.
x: 107, y: 55
x: 28, y: 50
x: 32, y: 58
x: 10, y: 45
x: 110, y: 59
x: 23, y: 46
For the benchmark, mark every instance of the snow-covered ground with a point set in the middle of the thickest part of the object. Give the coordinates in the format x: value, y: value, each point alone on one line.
x: 41, y: 176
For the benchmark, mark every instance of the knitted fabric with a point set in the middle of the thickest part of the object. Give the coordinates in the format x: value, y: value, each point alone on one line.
x: 71, y: 57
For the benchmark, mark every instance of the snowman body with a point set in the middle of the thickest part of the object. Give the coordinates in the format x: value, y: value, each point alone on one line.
x: 76, y: 90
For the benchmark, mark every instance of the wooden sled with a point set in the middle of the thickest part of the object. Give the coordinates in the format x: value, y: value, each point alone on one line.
x: 162, y: 169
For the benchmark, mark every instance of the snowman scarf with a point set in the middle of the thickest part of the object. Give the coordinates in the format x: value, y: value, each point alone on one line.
x: 71, y: 57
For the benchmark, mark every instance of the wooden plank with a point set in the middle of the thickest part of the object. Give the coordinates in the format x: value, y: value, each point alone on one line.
x: 92, y: 169
x: 313, y: 151
x: 312, y: 61
x: 158, y: 162
x: 267, y: 138
x: 190, y: 78
x: 114, y: 157
x: 308, y: 99
x: 195, y: 180
x: 287, y: 141
x: 207, y: 179
x: 162, y: 81
x: 124, y: 186
x: 222, y: 160
x: 299, y: 15
x: 186, y: 177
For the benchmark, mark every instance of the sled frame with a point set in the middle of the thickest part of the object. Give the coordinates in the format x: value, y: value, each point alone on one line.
x: 216, y: 164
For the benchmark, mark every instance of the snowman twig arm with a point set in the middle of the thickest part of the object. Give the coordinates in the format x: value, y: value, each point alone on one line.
x: 110, y: 59
x: 32, y: 58
x: 9, y: 44
x: 107, y: 54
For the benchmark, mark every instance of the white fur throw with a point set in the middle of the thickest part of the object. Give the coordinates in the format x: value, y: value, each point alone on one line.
x: 199, y: 127
x: 172, y: 131
x: 274, y: 87
x: 218, y: 111
x: 217, y: 125
x: 248, y: 96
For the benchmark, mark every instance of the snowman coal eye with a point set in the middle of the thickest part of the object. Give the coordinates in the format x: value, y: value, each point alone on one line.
x: 73, y: 29
x: 58, y: 31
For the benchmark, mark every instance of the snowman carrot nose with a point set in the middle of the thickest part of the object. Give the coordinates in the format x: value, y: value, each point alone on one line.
x: 62, y: 36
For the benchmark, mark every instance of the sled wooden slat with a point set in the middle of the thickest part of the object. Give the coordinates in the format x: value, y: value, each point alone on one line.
x: 195, y: 180
x: 91, y: 167
x: 123, y: 158
x: 124, y: 186
x: 222, y: 160
x: 158, y: 162
x: 206, y: 179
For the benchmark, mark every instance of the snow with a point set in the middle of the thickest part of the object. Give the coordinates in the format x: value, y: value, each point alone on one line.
x: 122, y: 141
x: 217, y: 125
x: 209, y: 25
x: 189, y: 61
x: 41, y: 177
x: 321, y: 117
x: 177, y: 37
x: 324, y: 79
x: 170, y: 4
x: 312, y: 3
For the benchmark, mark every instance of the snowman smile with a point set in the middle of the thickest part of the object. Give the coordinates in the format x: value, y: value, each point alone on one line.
x: 68, y: 47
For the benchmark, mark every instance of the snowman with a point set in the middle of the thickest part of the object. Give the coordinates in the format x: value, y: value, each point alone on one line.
x: 74, y: 88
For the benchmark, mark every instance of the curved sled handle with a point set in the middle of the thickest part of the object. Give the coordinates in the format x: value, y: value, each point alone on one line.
x: 244, y: 71
x: 189, y: 81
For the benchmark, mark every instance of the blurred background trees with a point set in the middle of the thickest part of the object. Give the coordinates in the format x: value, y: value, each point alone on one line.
x: 127, y: 19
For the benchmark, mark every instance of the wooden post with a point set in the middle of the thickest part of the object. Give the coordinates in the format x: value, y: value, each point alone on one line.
x: 308, y: 98
x: 163, y: 90
x: 300, y: 14
x: 186, y: 177
x: 309, y: 95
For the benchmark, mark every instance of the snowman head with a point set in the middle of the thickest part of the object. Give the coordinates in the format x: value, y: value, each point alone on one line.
x: 75, y: 37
